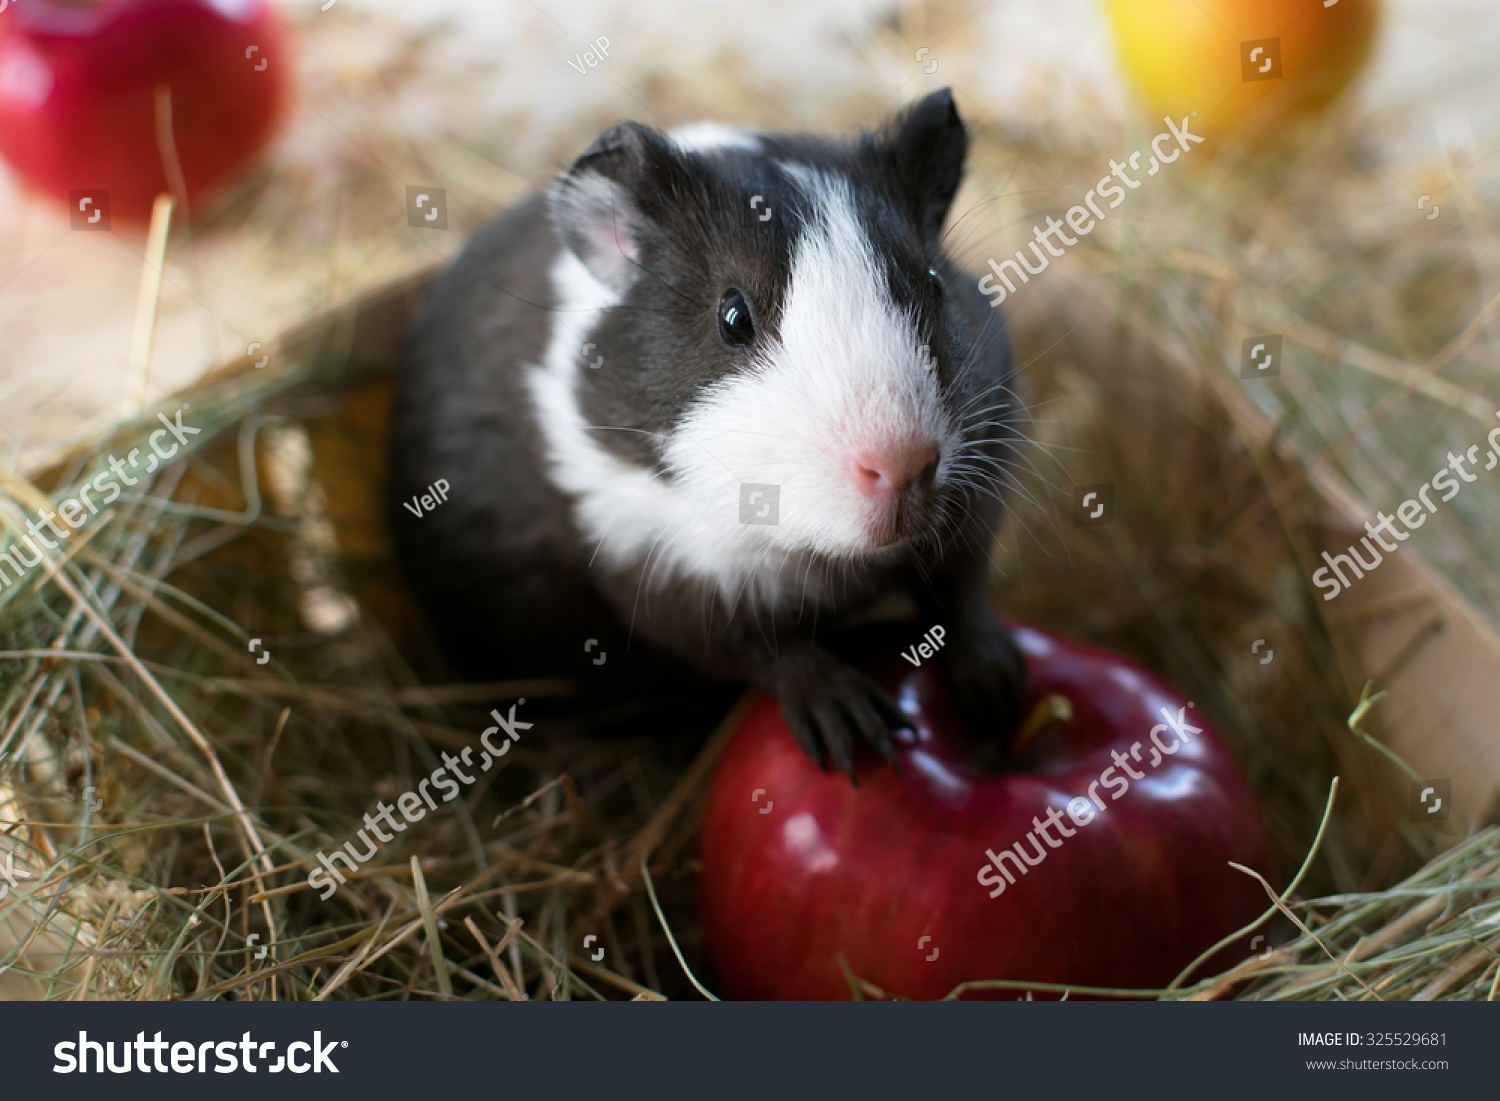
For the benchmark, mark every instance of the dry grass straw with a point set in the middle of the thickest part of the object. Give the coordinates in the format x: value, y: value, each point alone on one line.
x: 126, y: 669
x: 121, y: 675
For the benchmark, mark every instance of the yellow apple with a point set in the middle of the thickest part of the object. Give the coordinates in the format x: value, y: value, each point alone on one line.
x: 1242, y: 65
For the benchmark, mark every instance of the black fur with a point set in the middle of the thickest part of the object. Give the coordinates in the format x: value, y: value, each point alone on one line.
x: 505, y: 576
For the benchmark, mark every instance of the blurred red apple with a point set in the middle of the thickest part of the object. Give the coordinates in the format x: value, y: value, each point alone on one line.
x: 78, y: 105
x: 914, y: 876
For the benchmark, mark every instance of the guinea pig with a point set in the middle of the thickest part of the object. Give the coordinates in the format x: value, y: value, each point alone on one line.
x: 713, y: 392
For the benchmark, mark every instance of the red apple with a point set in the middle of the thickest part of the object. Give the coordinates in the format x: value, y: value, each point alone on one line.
x: 895, y: 874
x: 78, y: 107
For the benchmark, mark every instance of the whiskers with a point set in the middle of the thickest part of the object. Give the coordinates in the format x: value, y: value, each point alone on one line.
x: 994, y: 457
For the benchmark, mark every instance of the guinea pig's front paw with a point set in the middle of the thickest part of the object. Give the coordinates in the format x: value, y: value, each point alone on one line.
x: 829, y: 705
x: 988, y: 676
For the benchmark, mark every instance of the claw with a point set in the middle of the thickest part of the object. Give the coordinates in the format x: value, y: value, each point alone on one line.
x: 830, y: 706
x: 872, y: 715
x: 803, y: 732
x: 837, y: 737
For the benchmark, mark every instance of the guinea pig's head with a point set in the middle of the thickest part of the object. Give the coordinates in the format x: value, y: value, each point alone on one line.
x: 757, y: 335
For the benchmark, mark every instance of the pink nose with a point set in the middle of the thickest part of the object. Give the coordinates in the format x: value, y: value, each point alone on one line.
x: 886, y: 471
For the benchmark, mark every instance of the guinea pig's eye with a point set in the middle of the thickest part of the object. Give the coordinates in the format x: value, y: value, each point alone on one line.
x: 736, y: 326
x: 937, y: 283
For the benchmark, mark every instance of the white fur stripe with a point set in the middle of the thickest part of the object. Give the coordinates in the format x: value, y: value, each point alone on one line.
x: 846, y: 375
x: 623, y: 510
x: 700, y: 137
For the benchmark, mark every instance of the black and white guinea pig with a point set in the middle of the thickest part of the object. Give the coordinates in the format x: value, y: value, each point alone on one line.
x: 713, y: 392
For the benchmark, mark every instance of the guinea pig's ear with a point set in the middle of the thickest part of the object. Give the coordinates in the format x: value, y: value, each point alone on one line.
x: 597, y: 204
x: 927, y: 144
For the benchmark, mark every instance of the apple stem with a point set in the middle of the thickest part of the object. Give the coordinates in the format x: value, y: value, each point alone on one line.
x: 1051, y: 708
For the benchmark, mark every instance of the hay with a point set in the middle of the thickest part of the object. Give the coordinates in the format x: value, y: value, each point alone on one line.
x: 127, y: 677
x: 1432, y: 936
x: 122, y: 675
